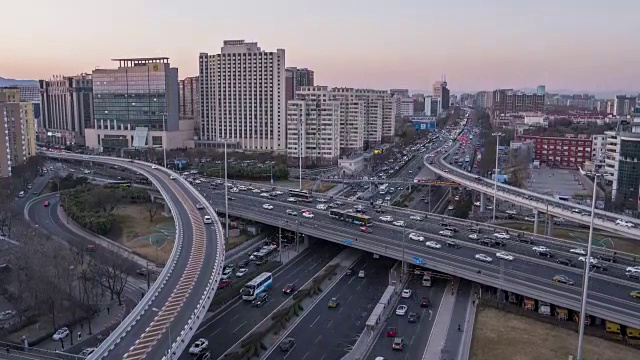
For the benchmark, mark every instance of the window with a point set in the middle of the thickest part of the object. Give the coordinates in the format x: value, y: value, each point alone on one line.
x: 156, y: 140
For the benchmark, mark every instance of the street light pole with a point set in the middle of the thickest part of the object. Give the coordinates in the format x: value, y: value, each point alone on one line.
x: 403, y: 265
x: 164, y: 143
x: 495, y: 175
x: 300, y: 145
x: 226, y: 196
x: 585, y: 282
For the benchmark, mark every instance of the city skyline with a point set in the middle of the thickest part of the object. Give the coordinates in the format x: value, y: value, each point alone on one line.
x: 477, y: 45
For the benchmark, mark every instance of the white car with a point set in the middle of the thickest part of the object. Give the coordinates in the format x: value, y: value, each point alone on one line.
x: 624, y: 223
x: 633, y: 269
x: 406, y: 293
x: 504, y: 256
x: 433, y: 245
x: 446, y: 233
x: 256, y: 190
x: 483, y: 258
x: 60, y: 334
x: 172, y: 177
x: 386, y: 218
x: 401, y: 310
x: 416, y: 237
x: 540, y: 249
x: 265, y: 194
x: 592, y: 260
x: 307, y: 214
x: 242, y: 272
x: 477, y: 203
x: 474, y: 236
x: 199, y: 206
x: 234, y: 190
x: 207, y: 219
x: 450, y: 207
x: 398, y: 223
x: 154, y: 167
x: 415, y: 217
x: 511, y: 212
x: 578, y: 251
x: 198, y: 346
x: 268, y: 206
x: 321, y: 200
x: 502, y: 235
x: 321, y: 207
x: 292, y: 199
x: 242, y: 188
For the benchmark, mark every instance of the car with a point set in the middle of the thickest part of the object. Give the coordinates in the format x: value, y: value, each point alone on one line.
x: 242, y: 272
x: 268, y: 206
x: 511, y: 212
x: 265, y: 194
x: 386, y: 218
x: 504, y: 256
x: 142, y: 272
x: 502, y: 235
x: 207, y: 219
x: 173, y: 177
x: 287, y: 344
x: 450, y: 207
x: 46, y: 203
x: 392, y: 331
x: 433, y: 245
x: 292, y: 212
x: 635, y: 294
x: 416, y: 237
x: 333, y: 303
x: 477, y: 203
x: 365, y: 229
x: 622, y: 222
x: 633, y: 269
x: 401, y: 310
x: 566, y: 262
x: 598, y: 266
x: 199, y: 206
x: 415, y: 217
x: 154, y: 166
x: 60, y: 334
x: 474, y: 236
x: 398, y: 344
x: 260, y: 300
x: 424, y: 302
x: 256, y: 190
x: 578, y: 251
x: 412, y: 317
x: 483, y: 258
x: 446, y: 233
x: 398, y: 223
x: 289, y: 289
x: 321, y: 200
x: 592, y: 260
x: 406, y: 293
x: 292, y: 199
x: 224, y: 283
x: 540, y: 248
x: 321, y: 207
x: 632, y: 275
x: 361, y: 274
x: 88, y: 351
x: 563, y: 279
x: 307, y: 214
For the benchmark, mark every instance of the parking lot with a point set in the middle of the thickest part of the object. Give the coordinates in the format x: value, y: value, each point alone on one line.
x: 555, y: 182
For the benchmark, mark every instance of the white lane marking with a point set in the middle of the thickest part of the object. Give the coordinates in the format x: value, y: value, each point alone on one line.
x: 314, y: 321
x: 241, y: 325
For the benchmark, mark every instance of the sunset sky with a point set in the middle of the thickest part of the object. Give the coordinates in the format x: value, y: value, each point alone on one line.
x: 479, y: 44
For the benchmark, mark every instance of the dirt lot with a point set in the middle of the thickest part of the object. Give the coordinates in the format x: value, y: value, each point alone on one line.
x: 619, y: 244
x: 502, y: 335
x: 133, y: 225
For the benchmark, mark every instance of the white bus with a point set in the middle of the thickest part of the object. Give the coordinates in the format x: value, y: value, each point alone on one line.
x: 256, y: 286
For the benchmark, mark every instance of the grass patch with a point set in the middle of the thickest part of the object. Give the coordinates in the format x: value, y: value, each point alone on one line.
x: 132, y: 222
x: 324, y: 187
x: 41, y: 326
x: 236, y: 240
x: 502, y: 335
x: 582, y: 235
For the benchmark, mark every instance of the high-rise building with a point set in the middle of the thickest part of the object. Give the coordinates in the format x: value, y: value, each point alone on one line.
x: 441, y: 92
x: 67, y: 108
x: 418, y: 103
x: 481, y: 99
x: 10, y: 94
x: 295, y: 79
x: 136, y: 106
x: 189, y: 89
x: 403, y: 105
x: 622, y: 166
x: 432, y: 106
x: 242, y: 98
x: 508, y: 101
x: 624, y: 105
x: 400, y: 93
x: 17, y: 123
x: 29, y: 93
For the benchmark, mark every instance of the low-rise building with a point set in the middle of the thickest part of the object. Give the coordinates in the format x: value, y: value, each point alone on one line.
x: 564, y: 152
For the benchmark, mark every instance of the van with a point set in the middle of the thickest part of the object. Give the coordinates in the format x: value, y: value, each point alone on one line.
x: 207, y: 219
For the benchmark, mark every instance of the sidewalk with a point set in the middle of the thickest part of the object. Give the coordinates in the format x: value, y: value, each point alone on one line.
x: 441, y: 324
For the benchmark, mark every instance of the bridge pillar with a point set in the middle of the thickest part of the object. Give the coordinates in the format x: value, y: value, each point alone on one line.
x: 549, y: 225
x: 483, y: 202
x: 535, y: 222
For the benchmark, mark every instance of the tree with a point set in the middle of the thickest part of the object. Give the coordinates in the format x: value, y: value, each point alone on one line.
x: 154, y: 209
x: 105, y: 199
x: 113, y: 274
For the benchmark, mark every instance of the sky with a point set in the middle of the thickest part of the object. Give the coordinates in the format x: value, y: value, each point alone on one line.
x: 478, y: 44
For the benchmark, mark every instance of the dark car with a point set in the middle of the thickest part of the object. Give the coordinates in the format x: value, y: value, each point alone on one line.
x: 142, y: 272
x: 413, y: 317
x: 243, y: 263
x: 424, y: 302
x: 545, y: 253
x: 290, y: 288
x: 487, y: 242
x: 349, y: 272
x: 598, y: 266
x: 260, y: 262
x: 453, y: 244
x: 607, y: 258
x: 224, y: 283
x: 566, y: 262
x: 287, y: 344
x: 261, y: 299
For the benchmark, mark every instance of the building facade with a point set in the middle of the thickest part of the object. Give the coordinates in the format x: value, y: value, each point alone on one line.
x: 67, y: 108
x: 441, y: 92
x: 136, y: 106
x: 598, y: 150
x: 295, y: 79
x: 242, y: 98
x: 189, y: 94
x: 18, y: 144
x: 622, y: 167
x: 432, y: 106
x: 560, y: 152
x: 508, y: 101
x: 624, y: 105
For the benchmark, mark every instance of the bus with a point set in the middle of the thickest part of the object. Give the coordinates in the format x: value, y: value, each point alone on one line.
x: 383, y: 189
x: 257, y: 286
x: 118, y: 185
x: 348, y: 216
x: 304, y: 195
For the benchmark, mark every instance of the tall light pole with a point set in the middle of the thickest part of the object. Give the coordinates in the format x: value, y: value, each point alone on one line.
x: 164, y: 143
x: 300, y: 145
x: 495, y: 175
x: 226, y: 195
x: 403, y: 265
x: 587, y: 265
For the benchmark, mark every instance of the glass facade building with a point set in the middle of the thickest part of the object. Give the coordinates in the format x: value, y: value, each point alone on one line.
x: 628, y: 177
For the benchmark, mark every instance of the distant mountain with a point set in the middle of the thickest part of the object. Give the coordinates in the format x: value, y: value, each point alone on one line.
x: 14, y: 82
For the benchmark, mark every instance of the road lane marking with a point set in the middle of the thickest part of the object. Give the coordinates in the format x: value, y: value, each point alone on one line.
x: 241, y: 325
x: 314, y: 321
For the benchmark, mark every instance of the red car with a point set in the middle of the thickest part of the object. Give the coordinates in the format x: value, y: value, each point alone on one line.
x: 290, y: 288
x: 46, y: 203
x: 365, y: 229
x: 392, y: 332
x: 224, y: 283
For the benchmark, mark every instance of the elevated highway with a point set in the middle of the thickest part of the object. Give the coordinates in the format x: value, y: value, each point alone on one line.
x: 527, y: 275
x: 171, y: 311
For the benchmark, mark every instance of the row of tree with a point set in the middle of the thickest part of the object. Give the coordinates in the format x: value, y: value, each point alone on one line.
x: 235, y: 172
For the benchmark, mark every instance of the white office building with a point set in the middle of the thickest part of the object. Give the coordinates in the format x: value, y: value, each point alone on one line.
x: 242, y: 92
x: 404, y: 106
x: 598, y: 150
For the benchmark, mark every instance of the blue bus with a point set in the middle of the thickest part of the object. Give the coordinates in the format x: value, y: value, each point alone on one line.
x: 257, y: 286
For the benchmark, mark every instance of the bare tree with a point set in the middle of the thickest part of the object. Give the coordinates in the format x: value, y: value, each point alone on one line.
x: 113, y: 274
x: 105, y: 199
x: 154, y: 209
x: 90, y: 292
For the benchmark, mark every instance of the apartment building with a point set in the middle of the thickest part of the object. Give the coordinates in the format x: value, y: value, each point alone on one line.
x: 481, y: 99
x: 18, y: 125
x: 562, y: 152
x: 598, y: 150
x: 508, y: 101
x: 624, y: 105
x: 67, y: 108
x: 242, y: 98
x: 404, y: 106
x: 295, y: 79
x: 189, y: 93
